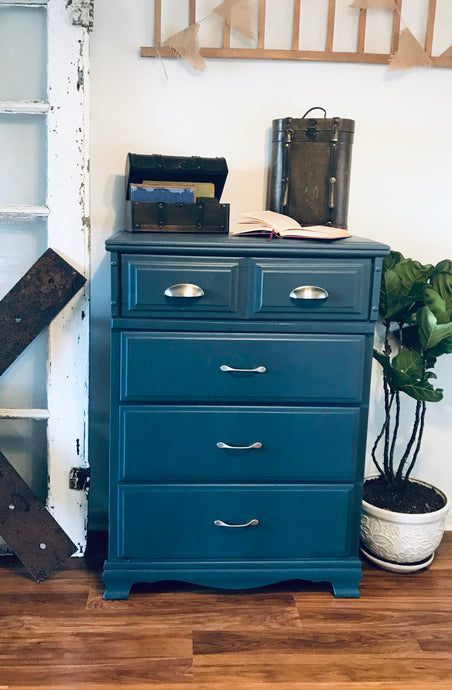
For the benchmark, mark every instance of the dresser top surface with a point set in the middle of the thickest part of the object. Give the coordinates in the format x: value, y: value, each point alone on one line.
x: 210, y: 244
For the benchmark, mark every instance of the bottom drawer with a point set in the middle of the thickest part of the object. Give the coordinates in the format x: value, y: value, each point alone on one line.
x: 178, y: 522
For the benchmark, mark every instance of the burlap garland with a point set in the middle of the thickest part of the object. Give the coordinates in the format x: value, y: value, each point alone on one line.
x: 186, y: 45
x: 410, y: 53
x: 237, y: 14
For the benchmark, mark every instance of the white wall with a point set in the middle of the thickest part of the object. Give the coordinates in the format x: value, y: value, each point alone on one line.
x: 401, y: 188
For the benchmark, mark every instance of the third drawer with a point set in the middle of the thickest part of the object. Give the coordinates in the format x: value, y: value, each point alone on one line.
x: 200, y: 443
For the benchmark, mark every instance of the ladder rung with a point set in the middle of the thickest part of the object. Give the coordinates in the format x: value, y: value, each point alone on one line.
x: 17, y: 413
x: 22, y: 212
x: 24, y: 107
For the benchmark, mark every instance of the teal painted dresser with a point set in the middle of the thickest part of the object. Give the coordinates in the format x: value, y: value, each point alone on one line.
x: 240, y: 373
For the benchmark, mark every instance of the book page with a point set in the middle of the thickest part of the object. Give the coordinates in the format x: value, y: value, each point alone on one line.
x: 317, y: 232
x: 272, y: 223
x: 277, y: 222
x: 250, y: 228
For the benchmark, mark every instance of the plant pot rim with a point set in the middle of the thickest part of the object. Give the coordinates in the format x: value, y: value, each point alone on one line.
x: 410, y: 518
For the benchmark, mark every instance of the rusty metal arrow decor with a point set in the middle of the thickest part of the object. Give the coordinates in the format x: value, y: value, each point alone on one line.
x: 25, y: 524
x: 28, y: 528
x: 33, y: 302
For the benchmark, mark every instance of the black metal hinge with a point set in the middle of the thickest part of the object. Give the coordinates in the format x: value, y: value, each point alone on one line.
x: 79, y: 478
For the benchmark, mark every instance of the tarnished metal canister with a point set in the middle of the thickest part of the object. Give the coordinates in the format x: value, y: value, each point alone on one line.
x: 309, y: 174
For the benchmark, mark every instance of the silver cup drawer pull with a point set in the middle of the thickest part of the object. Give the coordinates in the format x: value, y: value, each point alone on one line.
x: 251, y: 523
x: 220, y: 444
x: 184, y: 290
x: 309, y: 292
x: 256, y: 370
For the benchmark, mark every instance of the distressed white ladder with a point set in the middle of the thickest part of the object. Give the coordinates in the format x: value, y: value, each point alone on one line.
x: 67, y: 219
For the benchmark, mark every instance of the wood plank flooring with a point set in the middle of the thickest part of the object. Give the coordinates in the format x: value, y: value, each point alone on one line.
x: 62, y: 635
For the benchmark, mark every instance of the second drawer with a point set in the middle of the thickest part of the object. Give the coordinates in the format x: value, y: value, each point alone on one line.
x: 196, y: 443
x: 199, y: 367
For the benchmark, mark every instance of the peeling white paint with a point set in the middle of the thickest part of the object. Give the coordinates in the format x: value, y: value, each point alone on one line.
x: 68, y: 234
x: 82, y: 12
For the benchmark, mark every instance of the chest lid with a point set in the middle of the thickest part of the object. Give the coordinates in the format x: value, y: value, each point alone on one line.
x: 313, y: 129
x: 142, y: 167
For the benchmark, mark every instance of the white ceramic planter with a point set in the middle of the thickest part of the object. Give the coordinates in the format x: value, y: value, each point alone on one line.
x: 401, y: 542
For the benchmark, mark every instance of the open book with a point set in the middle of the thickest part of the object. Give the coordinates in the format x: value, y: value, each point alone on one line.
x: 276, y: 224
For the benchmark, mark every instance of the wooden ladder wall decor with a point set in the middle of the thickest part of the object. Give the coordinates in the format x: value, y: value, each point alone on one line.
x: 296, y: 52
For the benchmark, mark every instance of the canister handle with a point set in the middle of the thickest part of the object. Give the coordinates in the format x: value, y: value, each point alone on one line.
x: 316, y: 107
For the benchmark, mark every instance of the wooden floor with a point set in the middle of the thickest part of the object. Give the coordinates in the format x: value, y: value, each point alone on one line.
x: 61, y: 634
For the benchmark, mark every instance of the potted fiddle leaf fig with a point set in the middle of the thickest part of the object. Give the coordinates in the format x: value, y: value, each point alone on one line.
x: 403, y: 518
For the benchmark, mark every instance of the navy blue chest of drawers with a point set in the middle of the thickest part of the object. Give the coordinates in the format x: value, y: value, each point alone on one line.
x: 240, y: 373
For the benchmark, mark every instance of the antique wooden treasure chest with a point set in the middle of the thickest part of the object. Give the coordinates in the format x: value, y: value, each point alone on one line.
x: 175, y: 194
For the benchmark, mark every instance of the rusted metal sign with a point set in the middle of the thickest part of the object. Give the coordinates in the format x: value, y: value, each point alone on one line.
x: 33, y: 302
x: 25, y: 524
x: 28, y: 528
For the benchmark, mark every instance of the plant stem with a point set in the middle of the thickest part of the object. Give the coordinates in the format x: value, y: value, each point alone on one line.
x: 404, y: 458
x: 387, y: 348
x: 387, y: 428
x: 394, y: 433
x: 382, y: 471
x: 419, y: 439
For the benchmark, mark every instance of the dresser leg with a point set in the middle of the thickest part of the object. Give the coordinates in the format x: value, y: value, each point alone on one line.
x: 117, y: 587
x: 347, y: 586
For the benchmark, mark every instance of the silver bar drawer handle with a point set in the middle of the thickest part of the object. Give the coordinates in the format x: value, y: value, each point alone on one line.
x: 257, y: 370
x: 258, y: 444
x: 309, y: 292
x: 220, y: 523
x: 184, y: 290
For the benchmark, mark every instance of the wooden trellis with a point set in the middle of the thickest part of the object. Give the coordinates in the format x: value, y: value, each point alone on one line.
x: 296, y: 52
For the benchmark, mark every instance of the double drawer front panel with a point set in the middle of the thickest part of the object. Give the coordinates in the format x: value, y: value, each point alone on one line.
x: 167, y: 287
x: 267, y: 522
x: 219, y: 367
x: 254, y: 444
x: 315, y: 289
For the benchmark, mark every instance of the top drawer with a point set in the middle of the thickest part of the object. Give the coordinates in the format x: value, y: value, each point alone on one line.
x: 228, y: 288
x: 315, y: 289
x: 152, y: 287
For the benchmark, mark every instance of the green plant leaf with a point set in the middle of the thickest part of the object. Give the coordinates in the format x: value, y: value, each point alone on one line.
x: 443, y: 348
x: 438, y: 305
x: 423, y: 390
x: 431, y: 333
x: 392, y: 259
x: 385, y: 362
x: 434, y: 301
x: 406, y: 373
x: 409, y: 363
x: 441, y: 281
x: 402, y: 286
